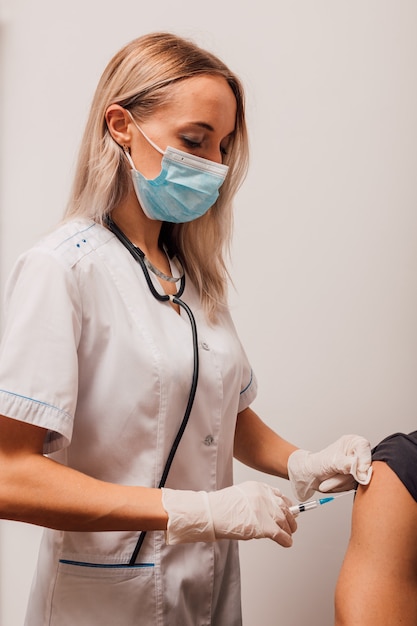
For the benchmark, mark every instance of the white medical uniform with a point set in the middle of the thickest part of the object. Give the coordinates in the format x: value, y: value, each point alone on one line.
x: 89, y: 354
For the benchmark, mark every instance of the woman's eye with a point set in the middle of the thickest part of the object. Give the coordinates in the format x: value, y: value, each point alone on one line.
x: 191, y: 143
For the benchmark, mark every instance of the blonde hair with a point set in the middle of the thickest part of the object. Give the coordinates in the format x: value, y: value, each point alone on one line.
x: 138, y: 78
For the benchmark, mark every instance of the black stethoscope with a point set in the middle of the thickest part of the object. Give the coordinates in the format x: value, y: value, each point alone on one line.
x: 140, y: 257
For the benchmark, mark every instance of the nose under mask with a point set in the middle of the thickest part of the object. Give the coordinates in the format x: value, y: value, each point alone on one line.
x: 186, y: 187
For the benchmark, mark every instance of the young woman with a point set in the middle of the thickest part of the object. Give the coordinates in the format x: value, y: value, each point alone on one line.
x: 125, y: 391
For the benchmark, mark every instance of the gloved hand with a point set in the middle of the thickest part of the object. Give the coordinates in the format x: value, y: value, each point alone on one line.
x: 338, y: 467
x: 251, y: 510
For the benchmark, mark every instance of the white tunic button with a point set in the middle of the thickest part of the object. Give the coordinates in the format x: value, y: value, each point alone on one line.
x: 205, y: 345
x: 209, y: 440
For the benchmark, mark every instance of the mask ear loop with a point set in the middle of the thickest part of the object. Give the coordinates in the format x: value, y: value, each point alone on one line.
x: 128, y: 157
x: 153, y: 144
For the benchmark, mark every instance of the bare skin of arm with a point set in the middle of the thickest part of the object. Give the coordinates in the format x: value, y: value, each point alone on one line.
x: 38, y: 490
x: 378, y: 579
x: 259, y: 447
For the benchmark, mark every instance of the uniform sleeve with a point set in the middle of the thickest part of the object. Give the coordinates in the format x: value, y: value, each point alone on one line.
x: 38, y: 351
x: 249, y: 387
x: 249, y: 383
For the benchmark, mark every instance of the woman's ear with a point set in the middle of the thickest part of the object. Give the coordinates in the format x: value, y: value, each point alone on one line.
x: 118, y: 123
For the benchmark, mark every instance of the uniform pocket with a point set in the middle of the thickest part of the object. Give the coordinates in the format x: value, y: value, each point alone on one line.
x: 86, y: 594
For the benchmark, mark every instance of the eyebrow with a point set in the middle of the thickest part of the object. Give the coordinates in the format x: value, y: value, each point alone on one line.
x: 210, y: 127
x: 204, y: 125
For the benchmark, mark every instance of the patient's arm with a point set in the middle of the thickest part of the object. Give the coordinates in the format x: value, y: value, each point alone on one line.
x: 377, y: 585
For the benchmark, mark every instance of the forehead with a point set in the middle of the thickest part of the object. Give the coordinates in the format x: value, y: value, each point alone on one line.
x: 204, y: 98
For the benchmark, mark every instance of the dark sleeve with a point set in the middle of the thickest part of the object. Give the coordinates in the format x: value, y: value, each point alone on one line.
x: 399, y: 451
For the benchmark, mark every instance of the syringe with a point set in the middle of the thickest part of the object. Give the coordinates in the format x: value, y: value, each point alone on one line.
x: 313, y: 504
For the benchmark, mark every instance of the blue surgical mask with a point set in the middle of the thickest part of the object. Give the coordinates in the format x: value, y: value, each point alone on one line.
x: 185, y: 189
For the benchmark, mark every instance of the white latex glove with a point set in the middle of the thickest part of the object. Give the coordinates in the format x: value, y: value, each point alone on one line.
x: 251, y: 510
x: 338, y: 467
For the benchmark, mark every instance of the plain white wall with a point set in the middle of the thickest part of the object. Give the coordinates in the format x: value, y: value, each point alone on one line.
x: 324, y: 256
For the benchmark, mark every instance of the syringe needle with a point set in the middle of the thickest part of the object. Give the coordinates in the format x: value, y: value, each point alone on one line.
x: 313, y: 504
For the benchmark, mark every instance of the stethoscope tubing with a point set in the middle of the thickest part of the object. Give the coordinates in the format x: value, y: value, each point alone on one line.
x: 138, y: 255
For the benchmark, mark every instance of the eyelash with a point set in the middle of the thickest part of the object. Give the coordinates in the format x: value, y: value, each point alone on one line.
x: 196, y: 144
x: 190, y: 143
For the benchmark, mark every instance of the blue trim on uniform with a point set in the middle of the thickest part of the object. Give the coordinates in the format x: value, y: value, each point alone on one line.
x: 19, y: 395
x: 106, y: 565
x: 249, y: 383
x: 77, y: 234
